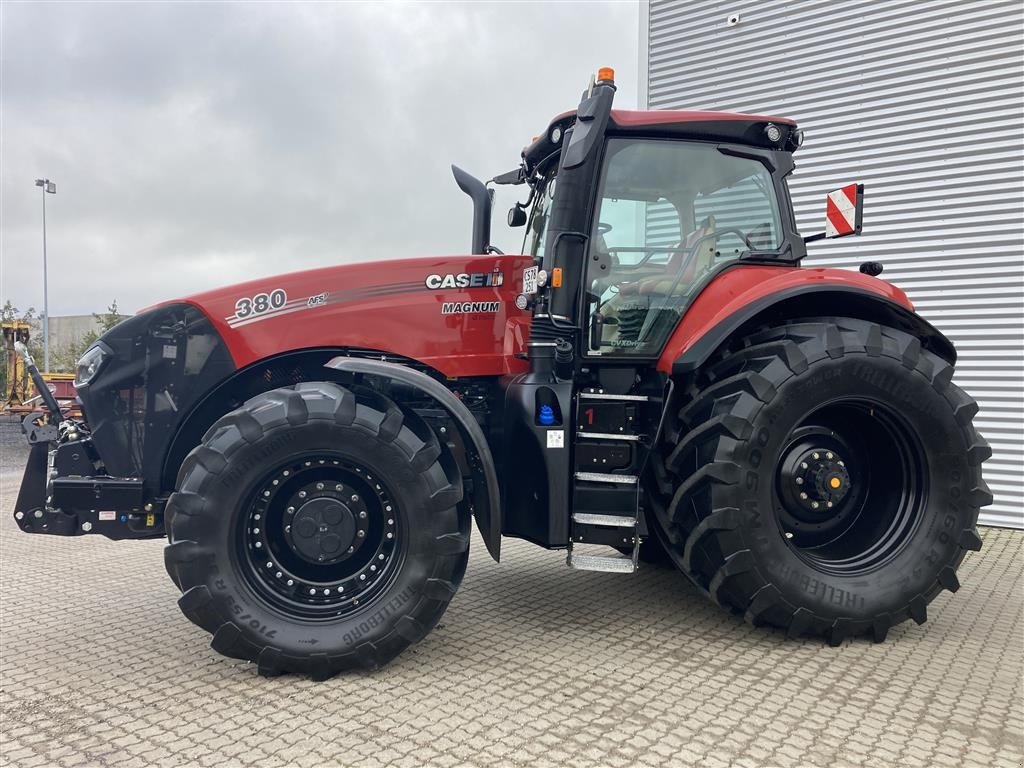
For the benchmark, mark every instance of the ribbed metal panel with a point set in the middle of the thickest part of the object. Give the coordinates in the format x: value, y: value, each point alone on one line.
x: 922, y: 102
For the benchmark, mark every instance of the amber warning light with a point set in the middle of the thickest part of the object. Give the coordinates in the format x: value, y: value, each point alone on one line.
x: 606, y: 73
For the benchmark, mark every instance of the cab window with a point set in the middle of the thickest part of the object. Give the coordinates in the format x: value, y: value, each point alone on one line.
x: 669, y: 212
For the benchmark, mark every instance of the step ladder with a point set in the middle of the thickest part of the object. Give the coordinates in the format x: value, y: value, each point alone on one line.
x: 608, y: 454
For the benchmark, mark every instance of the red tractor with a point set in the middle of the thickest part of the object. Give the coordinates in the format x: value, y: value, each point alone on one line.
x: 656, y: 378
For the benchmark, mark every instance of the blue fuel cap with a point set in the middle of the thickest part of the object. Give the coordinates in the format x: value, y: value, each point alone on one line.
x: 546, y: 416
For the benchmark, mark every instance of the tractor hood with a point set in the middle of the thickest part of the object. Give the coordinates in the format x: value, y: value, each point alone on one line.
x: 456, y: 314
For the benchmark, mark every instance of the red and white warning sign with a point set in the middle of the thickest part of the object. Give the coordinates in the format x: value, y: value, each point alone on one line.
x: 843, y: 211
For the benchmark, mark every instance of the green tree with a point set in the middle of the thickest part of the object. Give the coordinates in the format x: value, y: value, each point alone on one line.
x: 68, y: 356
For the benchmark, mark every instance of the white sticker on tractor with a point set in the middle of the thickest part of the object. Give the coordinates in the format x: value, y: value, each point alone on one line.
x: 106, y: 514
x: 556, y: 438
x: 530, y: 280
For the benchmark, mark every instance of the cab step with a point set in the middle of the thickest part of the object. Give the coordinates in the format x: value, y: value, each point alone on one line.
x: 604, y: 477
x: 593, y: 518
x: 606, y: 563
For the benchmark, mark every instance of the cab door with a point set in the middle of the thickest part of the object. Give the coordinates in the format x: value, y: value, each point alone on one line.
x: 669, y: 215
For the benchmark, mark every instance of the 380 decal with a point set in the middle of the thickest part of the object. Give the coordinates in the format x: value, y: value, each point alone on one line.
x: 260, y: 303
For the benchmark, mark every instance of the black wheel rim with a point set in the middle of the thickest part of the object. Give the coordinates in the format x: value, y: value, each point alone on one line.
x: 320, y: 537
x: 850, y: 486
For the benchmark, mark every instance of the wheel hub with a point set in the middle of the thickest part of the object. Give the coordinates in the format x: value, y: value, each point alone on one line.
x: 321, y: 536
x: 820, y: 481
x: 818, y: 488
x: 322, y: 530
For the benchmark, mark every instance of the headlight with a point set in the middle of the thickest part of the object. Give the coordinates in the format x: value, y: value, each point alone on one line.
x: 90, y: 364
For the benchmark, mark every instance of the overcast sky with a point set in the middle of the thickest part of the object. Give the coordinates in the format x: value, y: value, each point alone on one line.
x: 195, y: 145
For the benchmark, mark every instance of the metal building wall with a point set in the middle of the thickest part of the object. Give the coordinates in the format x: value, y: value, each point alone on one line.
x: 922, y: 102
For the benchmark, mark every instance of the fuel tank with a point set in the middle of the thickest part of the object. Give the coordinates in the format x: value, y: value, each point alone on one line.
x: 456, y: 314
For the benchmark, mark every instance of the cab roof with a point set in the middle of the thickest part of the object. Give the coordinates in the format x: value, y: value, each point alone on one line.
x: 698, y: 125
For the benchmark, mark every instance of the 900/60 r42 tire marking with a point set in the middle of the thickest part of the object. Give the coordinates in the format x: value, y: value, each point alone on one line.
x: 745, y: 448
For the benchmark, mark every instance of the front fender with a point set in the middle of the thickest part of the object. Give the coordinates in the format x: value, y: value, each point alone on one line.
x: 486, y: 504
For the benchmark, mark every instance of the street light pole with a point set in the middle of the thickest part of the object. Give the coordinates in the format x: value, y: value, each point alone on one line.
x: 46, y: 187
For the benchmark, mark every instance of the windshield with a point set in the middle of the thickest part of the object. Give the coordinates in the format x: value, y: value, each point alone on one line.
x: 537, y: 226
x: 669, y: 213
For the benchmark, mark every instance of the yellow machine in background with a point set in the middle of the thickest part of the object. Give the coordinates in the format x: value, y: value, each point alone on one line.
x: 18, y: 390
x: 20, y: 395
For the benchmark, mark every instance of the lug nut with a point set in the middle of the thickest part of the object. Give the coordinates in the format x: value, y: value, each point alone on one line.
x: 319, y: 486
x: 19, y: 515
x: 291, y: 582
x: 803, y: 465
x: 799, y: 481
x: 829, y: 505
x: 38, y: 513
x: 789, y: 535
x: 830, y: 455
x: 86, y: 526
x: 302, y: 494
x: 360, y: 533
x: 814, y: 505
x: 815, y: 455
x: 803, y: 495
x: 363, y: 514
x: 259, y: 545
x: 339, y: 487
x: 291, y: 510
x: 355, y: 497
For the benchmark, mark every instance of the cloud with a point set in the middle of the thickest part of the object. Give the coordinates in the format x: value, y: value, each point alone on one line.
x: 196, y: 145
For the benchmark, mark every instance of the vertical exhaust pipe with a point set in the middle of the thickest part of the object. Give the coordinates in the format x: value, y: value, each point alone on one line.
x: 481, y: 198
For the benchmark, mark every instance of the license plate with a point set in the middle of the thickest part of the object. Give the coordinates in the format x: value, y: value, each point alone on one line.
x: 530, y: 280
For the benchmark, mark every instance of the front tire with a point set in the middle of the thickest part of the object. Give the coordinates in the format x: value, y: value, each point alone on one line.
x: 316, y: 531
x: 823, y: 477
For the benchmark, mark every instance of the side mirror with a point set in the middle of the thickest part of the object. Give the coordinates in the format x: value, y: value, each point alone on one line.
x: 844, y: 211
x: 516, y: 216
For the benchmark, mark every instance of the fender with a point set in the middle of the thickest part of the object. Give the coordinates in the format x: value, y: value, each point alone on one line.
x: 741, y: 296
x: 486, y: 506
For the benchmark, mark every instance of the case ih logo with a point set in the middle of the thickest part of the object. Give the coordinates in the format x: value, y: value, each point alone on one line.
x: 465, y: 280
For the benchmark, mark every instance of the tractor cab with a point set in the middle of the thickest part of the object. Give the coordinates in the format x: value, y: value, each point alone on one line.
x: 629, y: 216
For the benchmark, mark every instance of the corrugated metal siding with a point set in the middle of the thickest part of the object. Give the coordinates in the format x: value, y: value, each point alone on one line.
x: 922, y: 102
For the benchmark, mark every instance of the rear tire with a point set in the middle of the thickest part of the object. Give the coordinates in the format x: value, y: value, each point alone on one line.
x: 315, y: 531
x: 823, y: 477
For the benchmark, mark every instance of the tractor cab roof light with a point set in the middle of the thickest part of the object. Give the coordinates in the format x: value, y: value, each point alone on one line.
x: 606, y: 74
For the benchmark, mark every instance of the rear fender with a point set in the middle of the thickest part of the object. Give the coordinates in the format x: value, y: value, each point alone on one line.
x: 486, y: 502
x: 709, y: 324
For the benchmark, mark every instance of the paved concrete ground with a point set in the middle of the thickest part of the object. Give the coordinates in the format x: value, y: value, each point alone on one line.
x: 533, y: 665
